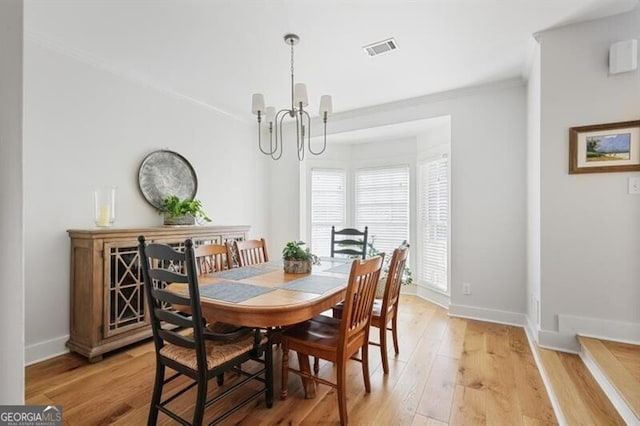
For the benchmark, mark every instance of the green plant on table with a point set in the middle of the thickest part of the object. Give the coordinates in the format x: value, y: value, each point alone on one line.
x: 175, y: 207
x: 293, y: 251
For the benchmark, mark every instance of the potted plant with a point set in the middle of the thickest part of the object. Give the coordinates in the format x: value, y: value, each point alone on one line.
x: 182, y: 212
x: 407, y: 277
x: 296, y: 259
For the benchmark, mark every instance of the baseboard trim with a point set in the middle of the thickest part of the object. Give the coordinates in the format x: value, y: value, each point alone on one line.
x: 617, y: 331
x: 432, y: 296
x: 490, y: 315
x: 42, y: 351
x: 558, y: 341
x: 555, y: 404
x: 618, y: 402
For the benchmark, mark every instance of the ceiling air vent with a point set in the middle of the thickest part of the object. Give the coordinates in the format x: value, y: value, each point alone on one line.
x: 380, y: 47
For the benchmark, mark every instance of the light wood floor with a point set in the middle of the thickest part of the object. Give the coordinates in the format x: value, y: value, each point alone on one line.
x: 449, y: 371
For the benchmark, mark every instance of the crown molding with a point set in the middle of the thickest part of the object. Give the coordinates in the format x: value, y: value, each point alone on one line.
x: 121, y: 71
x: 429, y: 99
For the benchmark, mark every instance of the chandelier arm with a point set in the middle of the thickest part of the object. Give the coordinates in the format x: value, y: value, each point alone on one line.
x: 278, y: 136
x: 324, y: 145
x: 300, y: 135
x: 271, y: 141
x: 260, y: 136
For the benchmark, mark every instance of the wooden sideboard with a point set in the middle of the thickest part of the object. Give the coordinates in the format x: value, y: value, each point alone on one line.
x: 108, y: 307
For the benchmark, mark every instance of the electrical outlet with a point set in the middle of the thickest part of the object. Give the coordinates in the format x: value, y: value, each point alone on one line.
x: 634, y: 185
x: 466, y: 288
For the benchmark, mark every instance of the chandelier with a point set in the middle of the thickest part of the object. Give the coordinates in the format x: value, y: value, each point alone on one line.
x: 274, y: 120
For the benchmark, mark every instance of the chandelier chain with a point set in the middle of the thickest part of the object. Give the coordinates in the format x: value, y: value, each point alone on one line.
x: 293, y: 107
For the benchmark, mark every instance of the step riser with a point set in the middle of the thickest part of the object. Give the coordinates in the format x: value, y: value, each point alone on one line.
x: 618, y: 402
x: 613, y: 375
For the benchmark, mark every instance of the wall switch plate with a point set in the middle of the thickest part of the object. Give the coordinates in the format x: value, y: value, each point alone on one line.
x: 634, y: 185
x: 466, y: 288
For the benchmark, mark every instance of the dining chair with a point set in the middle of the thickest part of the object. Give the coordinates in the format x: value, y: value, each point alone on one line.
x: 337, y: 340
x: 385, y: 310
x: 251, y: 252
x: 184, y: 346
x: 213, y: 258
x: 349, y: 241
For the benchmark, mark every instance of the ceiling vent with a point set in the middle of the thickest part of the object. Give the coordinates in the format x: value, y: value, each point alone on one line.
x: 381, y: 47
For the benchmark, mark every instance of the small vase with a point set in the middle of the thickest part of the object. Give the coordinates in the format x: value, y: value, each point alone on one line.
x: 105, y: 206
x: 297, y: 266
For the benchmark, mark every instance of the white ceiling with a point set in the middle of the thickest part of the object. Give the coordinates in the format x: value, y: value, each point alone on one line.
x: 220, y: 52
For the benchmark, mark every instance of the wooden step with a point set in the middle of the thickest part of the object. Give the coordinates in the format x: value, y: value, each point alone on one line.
x: 619, y: 365
x: 579, y: 398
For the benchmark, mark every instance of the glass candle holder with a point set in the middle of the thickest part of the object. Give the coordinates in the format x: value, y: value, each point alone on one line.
x: 105, y: 206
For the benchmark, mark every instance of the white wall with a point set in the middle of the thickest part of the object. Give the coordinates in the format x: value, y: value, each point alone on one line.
x: 590, y: 245
x: 11, y: 234
x: 533, y: 192
x: 85, y: 127
x: 487, y: 189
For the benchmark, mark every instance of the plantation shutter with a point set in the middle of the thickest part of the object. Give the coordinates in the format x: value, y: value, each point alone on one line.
x: 382, y: 204
x: 434, y: 217
x: 328, y: 205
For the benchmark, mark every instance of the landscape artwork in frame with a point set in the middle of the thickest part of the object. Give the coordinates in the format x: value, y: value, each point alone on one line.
x: 601, y: 148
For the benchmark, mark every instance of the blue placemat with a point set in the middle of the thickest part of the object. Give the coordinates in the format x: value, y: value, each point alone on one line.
x: 343, y: 268
x: 314, y: 284
x: 232, y: 292
x: 241, y: 273
x: 270, y: 263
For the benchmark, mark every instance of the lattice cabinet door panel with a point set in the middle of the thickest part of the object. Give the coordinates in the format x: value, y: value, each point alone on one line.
x: 124, y: 302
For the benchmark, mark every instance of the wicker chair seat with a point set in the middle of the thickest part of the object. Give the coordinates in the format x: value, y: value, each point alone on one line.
x: 218, y: 352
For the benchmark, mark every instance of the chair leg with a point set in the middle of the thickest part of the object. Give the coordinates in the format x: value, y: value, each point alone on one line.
x: 394, y: 331
x: 268, y: 375
x: 316, y: 365
x: 365, y: 367
x: 220, y: 379
x: 201, y: 398
x: 342, y: 391
x: 285, y: 371
x: 157, y: 394
x: 383, y: 348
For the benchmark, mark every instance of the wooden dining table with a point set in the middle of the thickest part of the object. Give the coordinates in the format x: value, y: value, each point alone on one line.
x: 265, y: 296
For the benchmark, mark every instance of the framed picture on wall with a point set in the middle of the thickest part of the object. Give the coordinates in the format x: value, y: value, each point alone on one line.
x: 602, y: 148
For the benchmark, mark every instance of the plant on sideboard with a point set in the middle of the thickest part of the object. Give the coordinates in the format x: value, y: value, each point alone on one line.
x: 298, y: 260
x: 182, y: 212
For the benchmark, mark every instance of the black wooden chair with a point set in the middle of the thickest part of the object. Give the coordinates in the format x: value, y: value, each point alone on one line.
x: 184, y: 345
x: 349, y: 241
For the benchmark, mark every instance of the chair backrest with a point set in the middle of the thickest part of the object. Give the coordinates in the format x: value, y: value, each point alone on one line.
x: 358, y: 302
x: 213, y: 258
x: 394, y: 277
x: 349, y: 241
x: 163, y: 265
x: 251, y: 252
